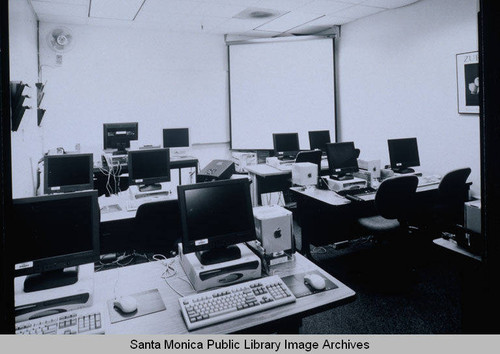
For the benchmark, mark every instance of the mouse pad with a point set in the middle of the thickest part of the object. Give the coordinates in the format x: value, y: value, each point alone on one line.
x: 296, y: 284
x: 147, y: 302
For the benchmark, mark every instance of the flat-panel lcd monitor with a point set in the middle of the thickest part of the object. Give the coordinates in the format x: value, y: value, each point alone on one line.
x: 54, y: 232
x: 149, y: 167
x: 216, y: 215
x: 176, y: 137
x: 342, y: 159
x: 403, y: 154
x: 118, y: 135
x: 68, y: 173
x: 318, y: 139
x: 286, y: 145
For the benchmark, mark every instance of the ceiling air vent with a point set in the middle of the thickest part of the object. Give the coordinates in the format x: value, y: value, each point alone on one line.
x: 257, y: 13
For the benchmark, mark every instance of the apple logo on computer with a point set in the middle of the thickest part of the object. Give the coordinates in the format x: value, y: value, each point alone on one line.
x: 277, y: 233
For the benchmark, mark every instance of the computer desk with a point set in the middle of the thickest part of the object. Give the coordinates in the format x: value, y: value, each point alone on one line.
x: 143, y: 277
x: 269, y: 179
x: 326, y: 217
x: 101, y: 178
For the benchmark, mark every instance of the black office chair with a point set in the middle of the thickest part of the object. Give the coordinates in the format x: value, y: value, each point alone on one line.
x: 394, y: 204
x: 448, y: 211
x: 392, y: 265
x: 312, y: 156
x: 157, y: 227
x: 357, y: 152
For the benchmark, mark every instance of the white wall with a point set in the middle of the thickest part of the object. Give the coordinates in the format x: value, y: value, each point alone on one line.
x: 397, y: 78
x: 159, y: 79
x: 26, y: 141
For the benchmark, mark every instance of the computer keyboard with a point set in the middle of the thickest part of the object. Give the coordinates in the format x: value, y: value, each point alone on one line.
x: 153, y: 194
x: 358, y: 191
x: 428, y: 180
x: 223, y: 304
x: 285, y: 166
x: 81, y: 321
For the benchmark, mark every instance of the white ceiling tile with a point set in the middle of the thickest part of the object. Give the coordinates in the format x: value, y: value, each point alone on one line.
x: 389, y: 4
x: 245, y: 3
x: 70, y: 20
x: 160, y: 10
x: 355, y: 2
x: 358, y: 11
x: 236, y: 25
x: 323, y: 7
x: 115, y: 9
x: 325, y: 21
x: 217, y: 9
x: 284, y: 5
x: 60, y: 9
x: 71, y: 2
x: 106, y: 22
x: 288, y: 21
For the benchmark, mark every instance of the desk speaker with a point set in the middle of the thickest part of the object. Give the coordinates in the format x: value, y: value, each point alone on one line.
x: 216, y: 170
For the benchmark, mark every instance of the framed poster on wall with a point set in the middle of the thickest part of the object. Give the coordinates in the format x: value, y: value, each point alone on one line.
x: 468, y: 82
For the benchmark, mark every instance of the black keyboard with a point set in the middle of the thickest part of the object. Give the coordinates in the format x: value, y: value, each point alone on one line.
x: 358, y: 191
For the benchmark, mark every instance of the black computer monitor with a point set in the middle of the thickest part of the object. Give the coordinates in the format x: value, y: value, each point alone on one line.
x: 215, y: 216
x: 175, y: 137
x: 318, y: 139
x: 53, y: 233
x: 148, y: 168
x: 68, y: 173
x: 118, y: 136
x: 286, y: 145
x: 342, y: 160
x: 403, y: 154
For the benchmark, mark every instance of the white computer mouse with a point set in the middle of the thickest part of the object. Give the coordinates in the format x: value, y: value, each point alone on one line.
x: 316, y: 281
x: 126, y: 304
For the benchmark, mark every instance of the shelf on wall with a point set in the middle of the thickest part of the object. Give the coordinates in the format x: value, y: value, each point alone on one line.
x: 18, y: 95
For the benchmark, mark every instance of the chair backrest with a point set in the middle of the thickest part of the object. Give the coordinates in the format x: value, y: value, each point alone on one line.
x: 357, y: 152
x: 394, y: 197
x: 453, y: 187
x: 158, y: 226
x: 312, y: 156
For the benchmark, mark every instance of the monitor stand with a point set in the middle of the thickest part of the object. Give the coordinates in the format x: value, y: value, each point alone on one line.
x: 218, y: 255
x: 120, y: 152
x: 403, y: 170
x: 50, y: 279
x: 150, y: 187
x: 345, y: 177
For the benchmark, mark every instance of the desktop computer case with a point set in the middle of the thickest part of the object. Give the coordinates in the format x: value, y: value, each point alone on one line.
x: 273, y: 226
x: 204, y: 277
x: 304, y: 174
x: 51, y: 301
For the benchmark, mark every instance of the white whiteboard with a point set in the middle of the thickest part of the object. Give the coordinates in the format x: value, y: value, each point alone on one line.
x: 280, y: 87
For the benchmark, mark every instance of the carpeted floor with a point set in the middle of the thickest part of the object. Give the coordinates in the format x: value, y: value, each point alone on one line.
x: 400, y: 290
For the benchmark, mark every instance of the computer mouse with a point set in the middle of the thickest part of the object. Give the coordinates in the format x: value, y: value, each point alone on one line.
x: 126, y: 304
x: 316, y: 281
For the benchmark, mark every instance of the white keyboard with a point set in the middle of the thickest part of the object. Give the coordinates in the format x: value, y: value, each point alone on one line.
x: 224, y: 304
x: 428, y: 180
x: 81, y: 321
x: 285, y: 166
